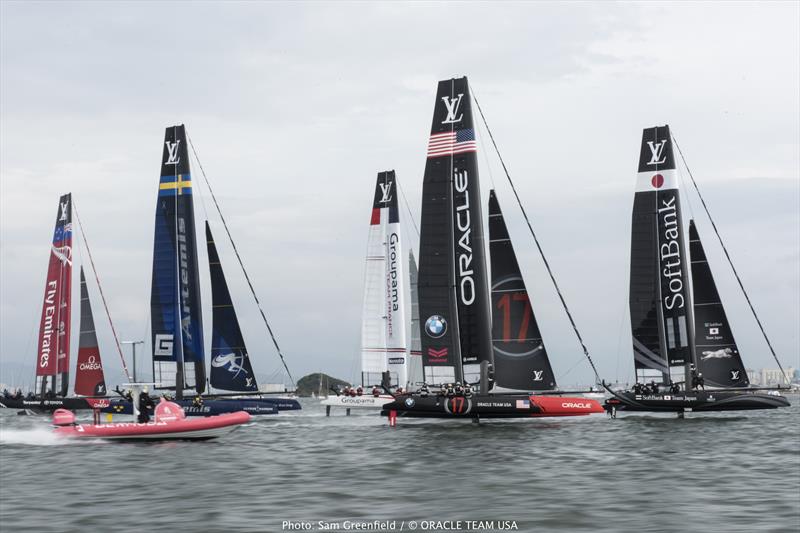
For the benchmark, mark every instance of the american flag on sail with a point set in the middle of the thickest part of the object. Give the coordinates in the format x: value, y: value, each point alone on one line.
x: 451, y: 143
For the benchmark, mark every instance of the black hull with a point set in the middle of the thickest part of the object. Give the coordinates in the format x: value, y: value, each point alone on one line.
x: 700, y: 401
x: 48, y: 406
x: 490, y: 406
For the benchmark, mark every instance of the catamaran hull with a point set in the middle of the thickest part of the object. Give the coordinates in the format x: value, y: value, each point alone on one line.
x: 358, y: 402
x: 195, y: 429
x: 491, y: 406
x: 207, y: 408
x: 695, y: 401
x: 48, y: 406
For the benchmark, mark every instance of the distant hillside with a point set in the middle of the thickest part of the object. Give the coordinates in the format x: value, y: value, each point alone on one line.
x: 313, y: 383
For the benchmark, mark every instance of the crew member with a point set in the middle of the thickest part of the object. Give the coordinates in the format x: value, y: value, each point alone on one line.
x: 145, y: 404
x: 701, y: 382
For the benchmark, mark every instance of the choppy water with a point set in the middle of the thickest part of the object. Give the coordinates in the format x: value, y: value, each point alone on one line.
x: 639, y: 473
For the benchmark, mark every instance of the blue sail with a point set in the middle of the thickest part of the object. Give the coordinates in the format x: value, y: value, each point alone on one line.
x: 175, y: 312
x: 230, y: 365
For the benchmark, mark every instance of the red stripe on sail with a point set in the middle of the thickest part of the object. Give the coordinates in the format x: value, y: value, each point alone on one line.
x: 376, y: 216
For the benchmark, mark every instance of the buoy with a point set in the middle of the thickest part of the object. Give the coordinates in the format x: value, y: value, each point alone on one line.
x: 392, y: 418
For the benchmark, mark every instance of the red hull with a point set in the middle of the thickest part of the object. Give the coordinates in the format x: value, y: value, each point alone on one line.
x: 565, y: 406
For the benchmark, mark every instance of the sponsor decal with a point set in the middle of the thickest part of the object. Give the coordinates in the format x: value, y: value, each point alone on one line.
x: 436, y: 327
x: 172, y: 153
x: 64, y: 210
x: 576, y: 405
x: 91, y: 364
x: 47, y: 325
x: 233, y: 361
x: 164, y: 344
x: 435, y: 355
x: 722, y: 353
x: 670, y: 252
x: 392, y: 290
x: 537, y: 375
x: 397, y: 360
x: 453, y: 105
x: 386, y: 192
x: 463, y: 223
x: 183, y: 254
x: 657, y: 156
x: 735, y: 375
x: 494, y: 404
x: 410, y: 402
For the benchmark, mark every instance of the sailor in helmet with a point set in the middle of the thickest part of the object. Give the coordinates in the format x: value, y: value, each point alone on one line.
x: 145, y: 404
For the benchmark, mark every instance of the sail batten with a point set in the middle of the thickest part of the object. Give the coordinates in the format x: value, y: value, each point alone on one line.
x: 520, y: 356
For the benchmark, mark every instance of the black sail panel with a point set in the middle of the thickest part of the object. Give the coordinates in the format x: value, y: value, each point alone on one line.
x: 718, y: 357
x: 659, y: 294
x: 230, y: 365
x: 454, y: 294
x: 175, y: 310
x: 520, y: 357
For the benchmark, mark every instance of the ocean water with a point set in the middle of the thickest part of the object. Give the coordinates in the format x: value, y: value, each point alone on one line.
x: 737, y: 472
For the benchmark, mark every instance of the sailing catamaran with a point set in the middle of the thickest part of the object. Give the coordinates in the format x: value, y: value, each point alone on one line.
x: 385, y: 357
x: 462, y: 352
x: 175, y: 307
x: 53, y: 358
x: 682, y: 340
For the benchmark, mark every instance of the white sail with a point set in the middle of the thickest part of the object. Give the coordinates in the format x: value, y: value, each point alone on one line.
x: 383, y: 318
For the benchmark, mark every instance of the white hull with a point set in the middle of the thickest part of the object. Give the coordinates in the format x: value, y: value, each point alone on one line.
x: 358, y: 402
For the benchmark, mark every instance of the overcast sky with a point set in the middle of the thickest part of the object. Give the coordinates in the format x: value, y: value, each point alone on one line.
x: 294, y: 108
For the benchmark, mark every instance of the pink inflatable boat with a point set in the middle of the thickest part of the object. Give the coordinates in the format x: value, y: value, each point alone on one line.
x: 170, y: 423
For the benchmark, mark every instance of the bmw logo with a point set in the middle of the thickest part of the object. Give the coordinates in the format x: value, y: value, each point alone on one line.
x: 410, y: 402
x: 435, y: 326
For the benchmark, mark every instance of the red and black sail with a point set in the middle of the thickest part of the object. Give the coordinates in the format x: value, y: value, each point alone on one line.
x: 89, y: 377
x: 520, y: 357
x: 453, y: 291
x: 54, y: 326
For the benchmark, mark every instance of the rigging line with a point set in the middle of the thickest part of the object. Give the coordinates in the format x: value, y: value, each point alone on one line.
x: 241, y: 264
x: 100, y: 290
x: 408, y: 209
x: 536, y: 240
x: 730, y: 261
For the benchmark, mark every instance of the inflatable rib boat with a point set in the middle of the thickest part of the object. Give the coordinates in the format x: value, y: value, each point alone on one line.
x: 170, y: 423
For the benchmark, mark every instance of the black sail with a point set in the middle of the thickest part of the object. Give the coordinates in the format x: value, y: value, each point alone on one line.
x: 520, y: 357
x: 718, y: 357
x: 453, y: 290
x: 660, y: 308
x: 230, y: 365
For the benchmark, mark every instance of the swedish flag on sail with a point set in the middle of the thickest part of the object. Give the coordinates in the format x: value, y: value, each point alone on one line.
x: 171, y: 185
